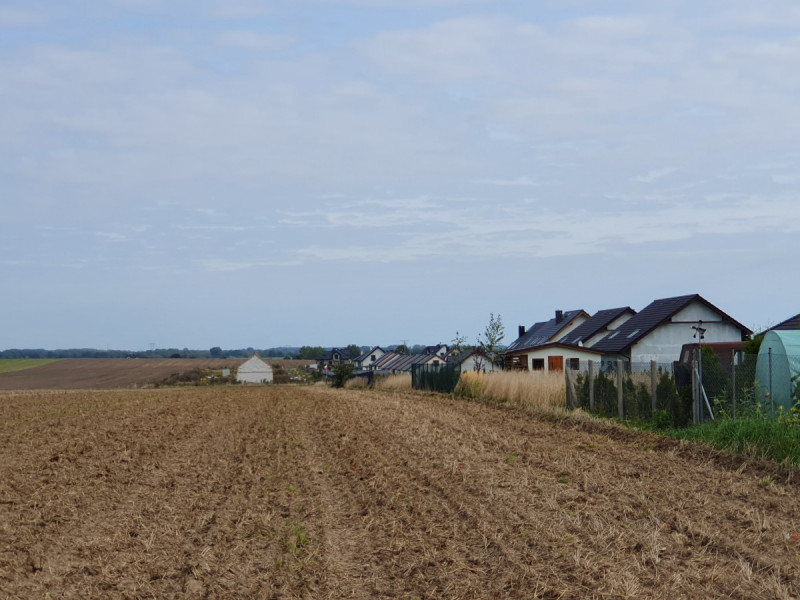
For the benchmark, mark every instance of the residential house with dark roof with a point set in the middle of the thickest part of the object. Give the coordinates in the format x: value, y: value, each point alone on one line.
x: 530, y: 351
x: 660, y: 329
x: 368, y: 358
x: 392, y: 362
x: 332, y: 357
x: 599, y: 325
x: 792, y: 324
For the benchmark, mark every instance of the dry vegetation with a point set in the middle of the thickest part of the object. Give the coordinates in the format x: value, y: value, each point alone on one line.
x: 287, y: 492
x: 524, y: 389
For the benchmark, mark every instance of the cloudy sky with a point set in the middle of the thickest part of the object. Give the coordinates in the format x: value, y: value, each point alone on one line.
x: 326, y: 172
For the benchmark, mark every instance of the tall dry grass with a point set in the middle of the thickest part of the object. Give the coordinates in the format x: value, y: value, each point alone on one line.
x: 401, y: 381
x: 522, y: 388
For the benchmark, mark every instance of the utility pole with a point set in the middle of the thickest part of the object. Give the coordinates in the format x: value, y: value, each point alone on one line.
x: 699, y: 332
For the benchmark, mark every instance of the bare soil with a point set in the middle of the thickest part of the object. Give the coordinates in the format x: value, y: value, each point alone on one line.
x: 289, y: 492
x: 106, y: 373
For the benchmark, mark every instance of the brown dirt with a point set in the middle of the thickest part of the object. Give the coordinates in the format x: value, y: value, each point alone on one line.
x: 106, y: 373
x: 281, y: 492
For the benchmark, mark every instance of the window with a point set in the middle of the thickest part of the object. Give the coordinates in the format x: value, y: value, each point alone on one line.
x: 372, y: 358
x: 575, y: 364
x: 538, y: 364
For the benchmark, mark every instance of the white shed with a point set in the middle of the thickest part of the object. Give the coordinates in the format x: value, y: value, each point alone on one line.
x: 254, y: 370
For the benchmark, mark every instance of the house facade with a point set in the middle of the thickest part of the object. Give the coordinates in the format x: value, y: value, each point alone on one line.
x: 661, y: 329
x: 254, y: 370
x: 532, y: 342
x: 475, y: 360
x: 367, y: 359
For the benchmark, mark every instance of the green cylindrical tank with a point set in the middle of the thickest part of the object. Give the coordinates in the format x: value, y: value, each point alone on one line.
x: 785, y: 351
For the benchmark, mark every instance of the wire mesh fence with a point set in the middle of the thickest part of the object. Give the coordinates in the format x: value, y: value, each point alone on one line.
x: 436, y: 378
x: 677, y: 394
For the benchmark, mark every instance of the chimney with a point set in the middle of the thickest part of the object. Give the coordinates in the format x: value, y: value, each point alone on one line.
x: 559, y: 316
x: 521, y: 330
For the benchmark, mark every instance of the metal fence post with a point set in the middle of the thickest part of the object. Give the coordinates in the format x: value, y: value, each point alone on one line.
x: 653, y: 386
x: 695, y: 390
x: 733, y: 381
x: 591, y: 386
x: 620, y: 403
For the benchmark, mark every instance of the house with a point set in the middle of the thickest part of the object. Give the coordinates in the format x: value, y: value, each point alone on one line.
x: 520, y: 353
x: 392, y: 362
x: 254, y: 370
x: 792, y: 324
x: 368, y: 358
x: 332, y: 357
x: 598, y: 326
x: 659, y: 330
x: 474, y: 360
x: 441, y: 350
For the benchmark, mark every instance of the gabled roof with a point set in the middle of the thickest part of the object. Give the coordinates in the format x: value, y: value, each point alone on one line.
x: 392, y: 361
x: 788, y: 325
x: 651, y: 316
x: 328, y: 355
x: 435, y: 349
x: 594, y: 325
x: 542, y: 333
x: 254, y: 365
x: 367, y: 354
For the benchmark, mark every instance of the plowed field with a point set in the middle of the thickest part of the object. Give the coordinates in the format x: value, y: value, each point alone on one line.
x: 105, y: 373
x: 285, y: 492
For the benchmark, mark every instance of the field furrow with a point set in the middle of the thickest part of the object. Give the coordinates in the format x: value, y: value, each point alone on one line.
x: 282, y: 492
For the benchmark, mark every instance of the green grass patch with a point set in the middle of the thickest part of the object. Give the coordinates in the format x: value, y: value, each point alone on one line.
x: 8, y: 365
x: 757, y: 436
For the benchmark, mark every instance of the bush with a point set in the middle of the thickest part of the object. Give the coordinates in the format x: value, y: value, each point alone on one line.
x: 341, y: 373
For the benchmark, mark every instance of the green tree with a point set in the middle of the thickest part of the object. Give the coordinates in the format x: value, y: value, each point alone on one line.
x: 402, y: 349
x: 489, y: 341
x: 215, y: 352
x: 354, y: 351
x: 310, y: 352
x: 341, y: 373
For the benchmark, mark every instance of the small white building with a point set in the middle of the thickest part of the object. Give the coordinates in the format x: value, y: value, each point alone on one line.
x: 254, y: 370
x: 476, y: 360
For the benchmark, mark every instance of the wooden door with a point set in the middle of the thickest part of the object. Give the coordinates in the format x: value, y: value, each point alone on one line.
x: 555, y: 363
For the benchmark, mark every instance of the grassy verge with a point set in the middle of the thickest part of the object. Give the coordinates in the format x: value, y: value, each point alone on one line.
x: 7, y: 365
x: 756, y: 436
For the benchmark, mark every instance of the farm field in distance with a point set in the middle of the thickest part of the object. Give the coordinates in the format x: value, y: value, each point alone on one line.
x: 310, y: 492
x: 9, y: 365
x: 101, y: 373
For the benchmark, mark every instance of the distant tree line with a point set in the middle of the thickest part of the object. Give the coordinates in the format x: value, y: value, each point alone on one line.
x: 216, y: 352
x: 302, y: 352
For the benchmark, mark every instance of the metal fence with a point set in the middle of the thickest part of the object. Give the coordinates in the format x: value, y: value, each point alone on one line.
x: 435, y: 378
x: 677, y: 394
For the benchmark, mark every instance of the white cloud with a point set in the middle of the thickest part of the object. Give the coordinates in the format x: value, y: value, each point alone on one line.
x: 255, y: 40
x: 655, y: 175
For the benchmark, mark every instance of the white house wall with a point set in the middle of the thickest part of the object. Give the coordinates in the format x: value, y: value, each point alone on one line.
x: 565, y: 353
x: 470, y: 364
x: 665, y: 342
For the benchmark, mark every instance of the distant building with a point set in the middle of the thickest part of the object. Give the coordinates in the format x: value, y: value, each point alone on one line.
x: 254, y: 370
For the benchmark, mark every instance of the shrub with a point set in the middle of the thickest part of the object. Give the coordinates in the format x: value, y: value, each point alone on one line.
x: 341, y: 373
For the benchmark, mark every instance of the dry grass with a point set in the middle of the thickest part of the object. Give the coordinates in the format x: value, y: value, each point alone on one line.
x: 401, y: 381
x: 311, y: 492
x: 522, y: 388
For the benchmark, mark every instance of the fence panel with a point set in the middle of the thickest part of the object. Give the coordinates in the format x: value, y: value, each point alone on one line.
x: 435, y: 378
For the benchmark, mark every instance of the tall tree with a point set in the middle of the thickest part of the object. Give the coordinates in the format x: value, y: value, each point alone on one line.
x: 353, y: 351
x: 489, y: 341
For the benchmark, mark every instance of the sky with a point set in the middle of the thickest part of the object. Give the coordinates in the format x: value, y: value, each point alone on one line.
x: 327, y: 172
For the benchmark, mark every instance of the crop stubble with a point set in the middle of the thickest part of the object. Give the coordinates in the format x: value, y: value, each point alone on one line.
x: 281, y: 492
